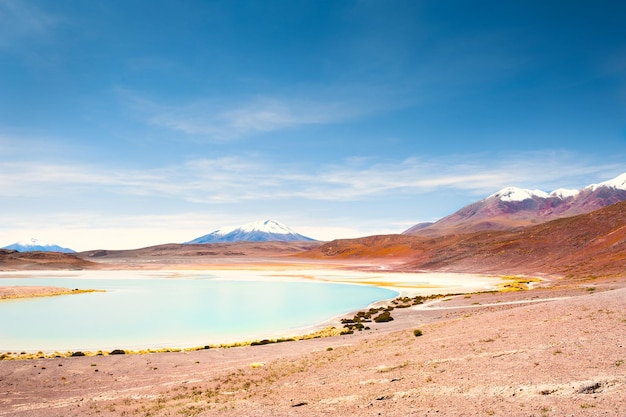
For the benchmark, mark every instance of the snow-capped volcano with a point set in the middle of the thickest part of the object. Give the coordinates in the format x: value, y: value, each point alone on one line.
x: 36, y: 245
x: 514, y: 207
x: 260, y: 231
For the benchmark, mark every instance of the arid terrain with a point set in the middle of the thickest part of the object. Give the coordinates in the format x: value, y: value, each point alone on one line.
x: 552, y: 351
x: 558, y: 349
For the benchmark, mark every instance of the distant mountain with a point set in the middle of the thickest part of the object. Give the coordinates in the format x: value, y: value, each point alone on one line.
x: 586, y: 245
x: 35, y: 245
x: 10, y: 259
x: 514, y: 207
x: 261, y: 231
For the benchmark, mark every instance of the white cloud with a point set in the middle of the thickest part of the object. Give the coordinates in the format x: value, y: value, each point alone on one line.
x: 237, y: 179
x: 81, y: 230
x: 89, y: 206
x: 98, y: 230
x: 219, y: 121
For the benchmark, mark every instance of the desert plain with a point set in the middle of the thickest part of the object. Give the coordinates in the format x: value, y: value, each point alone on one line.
x: 556, y: 348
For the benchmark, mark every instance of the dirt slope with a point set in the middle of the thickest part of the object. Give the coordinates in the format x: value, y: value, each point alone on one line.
x: 588, y: 244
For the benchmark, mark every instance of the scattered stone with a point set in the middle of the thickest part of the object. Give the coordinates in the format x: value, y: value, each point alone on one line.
x: 591, y: 389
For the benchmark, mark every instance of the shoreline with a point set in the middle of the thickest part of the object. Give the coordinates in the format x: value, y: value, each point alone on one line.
x: 404, y: 284
x: 8, y: 293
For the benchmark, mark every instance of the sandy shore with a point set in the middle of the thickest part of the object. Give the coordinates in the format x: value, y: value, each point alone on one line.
x: 14, y: 292
x: 552, y: 351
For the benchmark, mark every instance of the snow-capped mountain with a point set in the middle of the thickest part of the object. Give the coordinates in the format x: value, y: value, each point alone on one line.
x: 260, y: 231
x: 564, y: 193
x: 36, y: 245
x: 514, y: 207
x: 618, y: 183
x: 517, y: 194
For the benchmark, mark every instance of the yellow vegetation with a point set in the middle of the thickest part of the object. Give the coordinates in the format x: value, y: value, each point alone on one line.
x: 516, y: 283
x: 326, y: 332
x: 51, y: 293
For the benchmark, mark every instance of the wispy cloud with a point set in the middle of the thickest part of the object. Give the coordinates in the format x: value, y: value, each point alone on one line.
x: 237, y: 179
x: 99, y: 206
x: 214, y: 120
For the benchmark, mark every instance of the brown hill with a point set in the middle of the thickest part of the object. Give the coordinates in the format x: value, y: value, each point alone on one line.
x: 583, y: 245
x: 14, y: 260
x: 180, y: 254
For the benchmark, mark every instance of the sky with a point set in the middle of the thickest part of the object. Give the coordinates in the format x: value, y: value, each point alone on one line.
x: 125, y: 124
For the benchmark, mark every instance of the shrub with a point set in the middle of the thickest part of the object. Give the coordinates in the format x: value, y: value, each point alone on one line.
x: 383, y: 317
x: 417, y: 332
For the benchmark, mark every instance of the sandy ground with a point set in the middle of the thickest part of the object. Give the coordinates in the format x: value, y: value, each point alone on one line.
x: 30, y: 291
x: 551, y: 351
x: 13, y: 292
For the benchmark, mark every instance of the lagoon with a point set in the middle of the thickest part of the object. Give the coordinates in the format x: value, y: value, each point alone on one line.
x: 140, y: 310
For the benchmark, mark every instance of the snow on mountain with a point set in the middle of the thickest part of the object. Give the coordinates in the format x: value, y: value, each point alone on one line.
x: 36, y: 245
x: 564, y: 193
x: 518, y: 194
x: 214, y: 236
x: 267, y: 226
x: 618, y: 183
x: 260, y: 231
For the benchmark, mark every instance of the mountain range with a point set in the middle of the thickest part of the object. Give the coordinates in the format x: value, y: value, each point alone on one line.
x: 586, y: 245
x: 513, y: 207
x: 260, y: 231
x: 36, y: 245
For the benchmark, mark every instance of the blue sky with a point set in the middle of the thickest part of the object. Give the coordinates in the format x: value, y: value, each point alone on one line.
x: 131, y: 123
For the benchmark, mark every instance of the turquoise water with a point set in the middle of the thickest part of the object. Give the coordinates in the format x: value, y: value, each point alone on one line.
x: 153, y: 311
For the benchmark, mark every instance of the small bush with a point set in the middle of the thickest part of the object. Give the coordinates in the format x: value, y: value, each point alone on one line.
x: 417, y: 332
x: 383, y: 317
